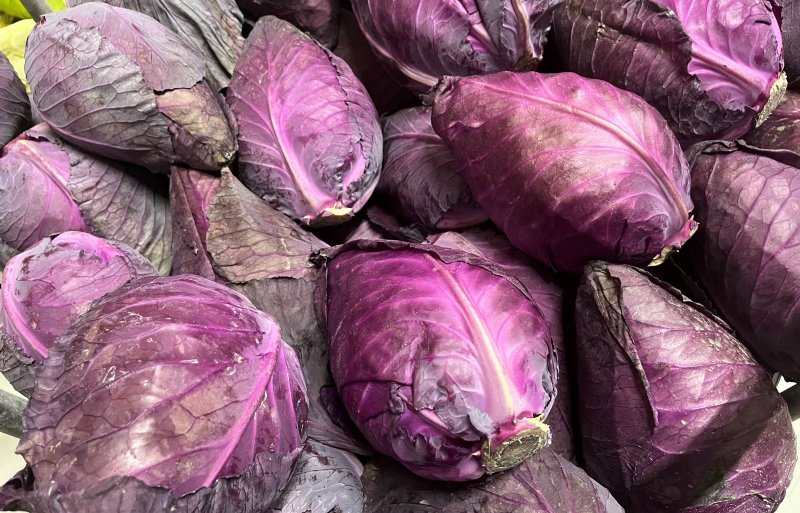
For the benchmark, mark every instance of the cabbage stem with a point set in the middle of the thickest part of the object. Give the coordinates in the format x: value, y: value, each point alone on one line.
x: 11, y: 407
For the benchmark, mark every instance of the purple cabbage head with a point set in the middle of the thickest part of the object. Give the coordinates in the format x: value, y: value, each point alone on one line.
x: 46, y: 288
x: 320, y: 18
x: 676, y: 415
x: 543, y: 483
x: 14, y: 103
x: 325, y: 480
x: 171, y: 394
x: 212, y: 27
x: 547, y: 290
x: 420, y: 175
x: 309, y: 136
x: 441, y: 360
x: 424, y: 40
x: 118, y: 83
x: 570, y: 169
x: 713, y: 68
x: 48, y: 186
x: 748, y: 252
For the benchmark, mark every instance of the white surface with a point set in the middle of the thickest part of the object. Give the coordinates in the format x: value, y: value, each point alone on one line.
x: 11, y: 463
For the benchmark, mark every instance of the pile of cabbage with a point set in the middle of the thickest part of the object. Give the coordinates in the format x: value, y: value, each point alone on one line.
x: 457, y: 256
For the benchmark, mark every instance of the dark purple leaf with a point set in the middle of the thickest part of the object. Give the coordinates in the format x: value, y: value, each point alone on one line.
x: 17, y: 367
x: 391, y: 228
x: 318, y: 17
x: 570, y: 169
x: 15, y: 109
x: 212, y: 27
x: 544, y: 483
x: 748, y: 254
x: 780, y: 133
x: 790, y: 29
x: 420, y: 175
x: 676, y: 415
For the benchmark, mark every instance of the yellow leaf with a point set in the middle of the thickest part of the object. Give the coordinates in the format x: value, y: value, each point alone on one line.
x: 12, y: 43
x: 5, y: 20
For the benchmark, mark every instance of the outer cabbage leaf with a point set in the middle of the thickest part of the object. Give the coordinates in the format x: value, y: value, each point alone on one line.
x: 420, y: 174
x: 140, y: 407
x: 441, y: 359
x: 320, y: 18
x: 748, y: 255
x: 424, y: 40
x: 709, y: 75
x: 48, y: 186
x: 588, y: 170
x: 15, y: 109
x: 17, y: 367
x: 325, y: 480
x: 547, y: 291
x: 353, y: 48
x: 544, y: 483
x: 309, y: 134
x: 364, y: 230
x: 780, y: 133
x: 790, y: 29
x: 676, y: 415
x: 226, y: 233
x: 46, y: 288
x: 736, y: 56
x: 126, y: 88
x: 213, y: 27
x: 391, y: 228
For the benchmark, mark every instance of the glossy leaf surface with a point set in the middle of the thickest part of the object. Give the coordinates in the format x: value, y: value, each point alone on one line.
x: 170, y: 385
x: 676, y: 415
x: 441, y: 361
x: 570, y: 169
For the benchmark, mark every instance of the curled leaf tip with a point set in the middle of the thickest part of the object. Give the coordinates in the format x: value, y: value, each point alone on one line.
x: 680, y: 239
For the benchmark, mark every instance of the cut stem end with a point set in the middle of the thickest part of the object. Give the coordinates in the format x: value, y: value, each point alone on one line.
x: 514, y: 450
